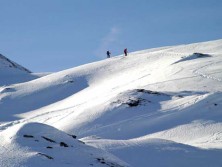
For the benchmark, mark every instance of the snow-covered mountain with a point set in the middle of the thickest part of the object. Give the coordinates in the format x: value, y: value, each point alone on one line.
x: 6, y: 63
x: 11, y: 72
x: 158, y: 107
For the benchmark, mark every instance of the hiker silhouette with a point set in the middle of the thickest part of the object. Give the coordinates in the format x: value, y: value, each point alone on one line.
x: 108, y: 54
x: 125, y: 51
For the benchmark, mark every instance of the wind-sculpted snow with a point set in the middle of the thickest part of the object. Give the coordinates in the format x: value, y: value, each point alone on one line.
x: 33, y: 95
x: 42, y: 145
x: 158, y: 152
x: 157, y: 107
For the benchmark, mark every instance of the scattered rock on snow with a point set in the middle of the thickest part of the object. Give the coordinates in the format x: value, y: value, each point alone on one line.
x: 135, y: 99
x: 151, y: 92
x: 109, y: 164
x: 49, y: 147
x: 73, y: 136
x: 47, y: 156
x: 180, y: 96
x: 81, y: 142
x: 62, y: 144
x: 50, y: 140
x: 200, y: 55
x: 7, y: 89
x: 133, y: 103
x: 28, y: 136
x: 71, y: 81
x: 193, y: 56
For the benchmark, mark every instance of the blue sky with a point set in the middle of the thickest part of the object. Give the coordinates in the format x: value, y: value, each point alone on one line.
x: 53, y: 35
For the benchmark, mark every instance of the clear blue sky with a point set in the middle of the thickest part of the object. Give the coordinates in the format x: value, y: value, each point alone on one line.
x: 52, y: 35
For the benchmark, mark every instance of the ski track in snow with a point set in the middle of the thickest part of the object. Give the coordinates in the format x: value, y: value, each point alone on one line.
x: 199, y: 73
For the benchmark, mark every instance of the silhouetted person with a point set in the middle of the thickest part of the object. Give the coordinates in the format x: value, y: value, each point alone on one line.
x: 125, y: 51
x: 108, y: 54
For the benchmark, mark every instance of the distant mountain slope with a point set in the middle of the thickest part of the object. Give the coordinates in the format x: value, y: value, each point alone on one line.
x: 6, y: 63
x: 11, y: 72
x: 158, y: 107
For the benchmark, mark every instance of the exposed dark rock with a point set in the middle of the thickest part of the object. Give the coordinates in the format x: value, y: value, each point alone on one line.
x: 50, y: 140
x: 100, y: 159
x: 215, y: 104
x: 193, y: 56
x: 62, y: 144
x: 47, y: 156
x: 200, y: 55
x: 150, y: 92
x: 81, y: 141
x: 73, y: 136
x: 71, y: 81
x: 133, y: 103
x: 28, y: 136
x: 181, y: 96
x: 7, y: 89
x: 49, y: 147
x: 110, y: 164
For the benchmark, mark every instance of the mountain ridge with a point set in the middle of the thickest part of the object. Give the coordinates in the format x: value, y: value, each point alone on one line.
x: 5, y: 62
x: 12, y: 73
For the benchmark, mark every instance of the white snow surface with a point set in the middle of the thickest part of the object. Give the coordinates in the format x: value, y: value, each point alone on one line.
x: 159, y: 107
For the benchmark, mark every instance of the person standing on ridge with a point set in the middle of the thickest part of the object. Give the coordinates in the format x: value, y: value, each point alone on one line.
x: 108, y: 54
x: 125, y: 51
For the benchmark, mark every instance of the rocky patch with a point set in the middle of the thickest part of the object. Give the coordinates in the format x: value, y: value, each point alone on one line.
x: 195, y: 55
x: 73, y: 136
x: 109, y: 164
x: 63, y: 144
x: 151, y: 92
x: 48, y: 139
x: 47, y: 156
x: 28, y: 136
x: 141, y: 97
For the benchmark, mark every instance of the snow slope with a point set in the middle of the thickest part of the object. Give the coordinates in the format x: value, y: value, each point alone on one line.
x: 36, y: 144
x: 157, y: 107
